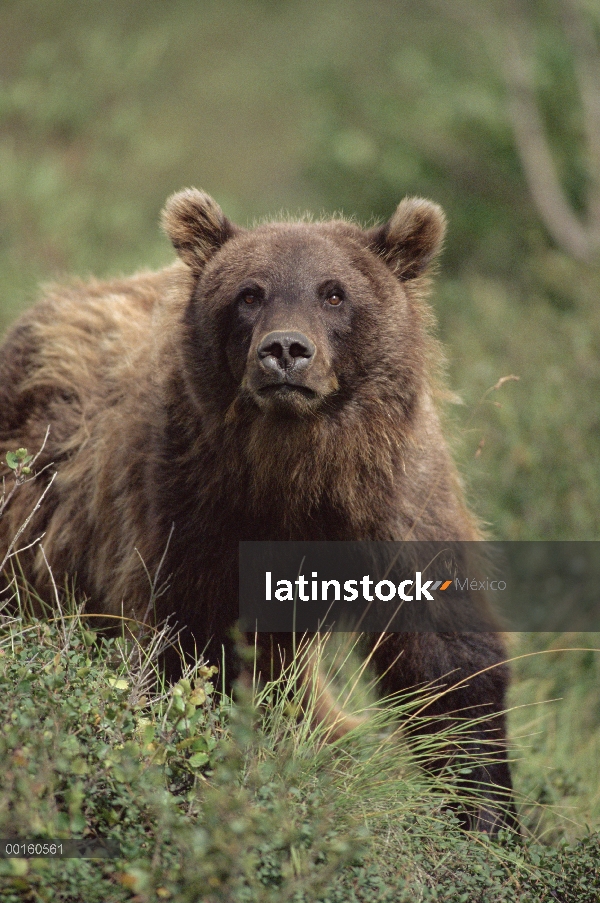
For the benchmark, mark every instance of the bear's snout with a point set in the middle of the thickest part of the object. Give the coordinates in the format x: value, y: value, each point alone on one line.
x: 285, y: 351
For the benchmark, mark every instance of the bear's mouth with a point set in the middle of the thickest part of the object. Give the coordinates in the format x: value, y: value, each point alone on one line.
x: 282, y: 390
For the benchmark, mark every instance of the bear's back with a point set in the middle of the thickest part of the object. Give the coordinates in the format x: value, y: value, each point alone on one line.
x: 74, y: 371
x: 81, y: 349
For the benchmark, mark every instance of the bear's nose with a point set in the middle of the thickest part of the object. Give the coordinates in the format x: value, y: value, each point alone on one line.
x: 285, y: 350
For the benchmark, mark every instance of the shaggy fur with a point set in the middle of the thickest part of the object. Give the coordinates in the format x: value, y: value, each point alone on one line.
x: 173, y: 410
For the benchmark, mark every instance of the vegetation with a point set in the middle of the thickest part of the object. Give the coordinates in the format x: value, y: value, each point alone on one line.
x: 290, y: 105
x: 213, y: 802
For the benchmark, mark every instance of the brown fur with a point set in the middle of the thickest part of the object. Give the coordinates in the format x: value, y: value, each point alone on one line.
x: 166, y: 415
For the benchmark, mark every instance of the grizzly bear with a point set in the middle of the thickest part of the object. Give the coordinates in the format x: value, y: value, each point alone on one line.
x: 275, y: 383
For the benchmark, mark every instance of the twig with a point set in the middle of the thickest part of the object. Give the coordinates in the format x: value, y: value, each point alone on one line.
x: 11, y: 548
x: 154, y: 593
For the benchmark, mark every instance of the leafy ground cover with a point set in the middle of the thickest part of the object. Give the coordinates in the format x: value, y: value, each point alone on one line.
x: 214, y: 801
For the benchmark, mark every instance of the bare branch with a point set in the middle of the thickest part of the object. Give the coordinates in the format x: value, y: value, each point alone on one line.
x: 20, y: 478
x: 579, y: 29
x: 11, y: 549
x: 533, y: 147
x: 508, y: 38
x: 41, y: 449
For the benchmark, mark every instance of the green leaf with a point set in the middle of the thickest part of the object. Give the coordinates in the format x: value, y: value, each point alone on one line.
x: 79, y: 766
x: 78, y: 823
x: 198, y: 696
x: 198, y: 760
x: 178, y: 705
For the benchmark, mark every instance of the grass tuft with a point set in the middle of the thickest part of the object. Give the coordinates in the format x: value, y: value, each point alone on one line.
x: 219, y: 800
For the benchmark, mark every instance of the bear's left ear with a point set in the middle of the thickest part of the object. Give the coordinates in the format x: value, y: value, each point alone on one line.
x: 196, y: 225
x: 411, y: 239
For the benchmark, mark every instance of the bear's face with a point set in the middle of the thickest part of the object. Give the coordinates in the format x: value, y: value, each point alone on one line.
x: 293, y: 318
x: 293, y: 309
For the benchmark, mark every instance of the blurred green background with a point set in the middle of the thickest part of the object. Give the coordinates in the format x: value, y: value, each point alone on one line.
x: 490, y: 108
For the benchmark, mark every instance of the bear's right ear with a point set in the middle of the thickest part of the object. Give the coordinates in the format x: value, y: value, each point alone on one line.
x: 196, y: 225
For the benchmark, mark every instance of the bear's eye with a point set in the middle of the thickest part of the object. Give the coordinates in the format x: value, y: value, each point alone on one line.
x: 334, y: 298
x: 249, y: 296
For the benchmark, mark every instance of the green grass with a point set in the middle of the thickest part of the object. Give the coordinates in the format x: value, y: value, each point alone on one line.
x: 554, y: 726
x: 214, y: 801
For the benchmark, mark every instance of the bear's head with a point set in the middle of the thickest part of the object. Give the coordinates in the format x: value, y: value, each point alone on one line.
x: 293, y: 318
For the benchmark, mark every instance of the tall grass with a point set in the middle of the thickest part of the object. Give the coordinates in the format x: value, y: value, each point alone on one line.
x: 215, y: 799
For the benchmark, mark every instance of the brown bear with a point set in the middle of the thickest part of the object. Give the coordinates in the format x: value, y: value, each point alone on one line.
x: 277, y: 383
